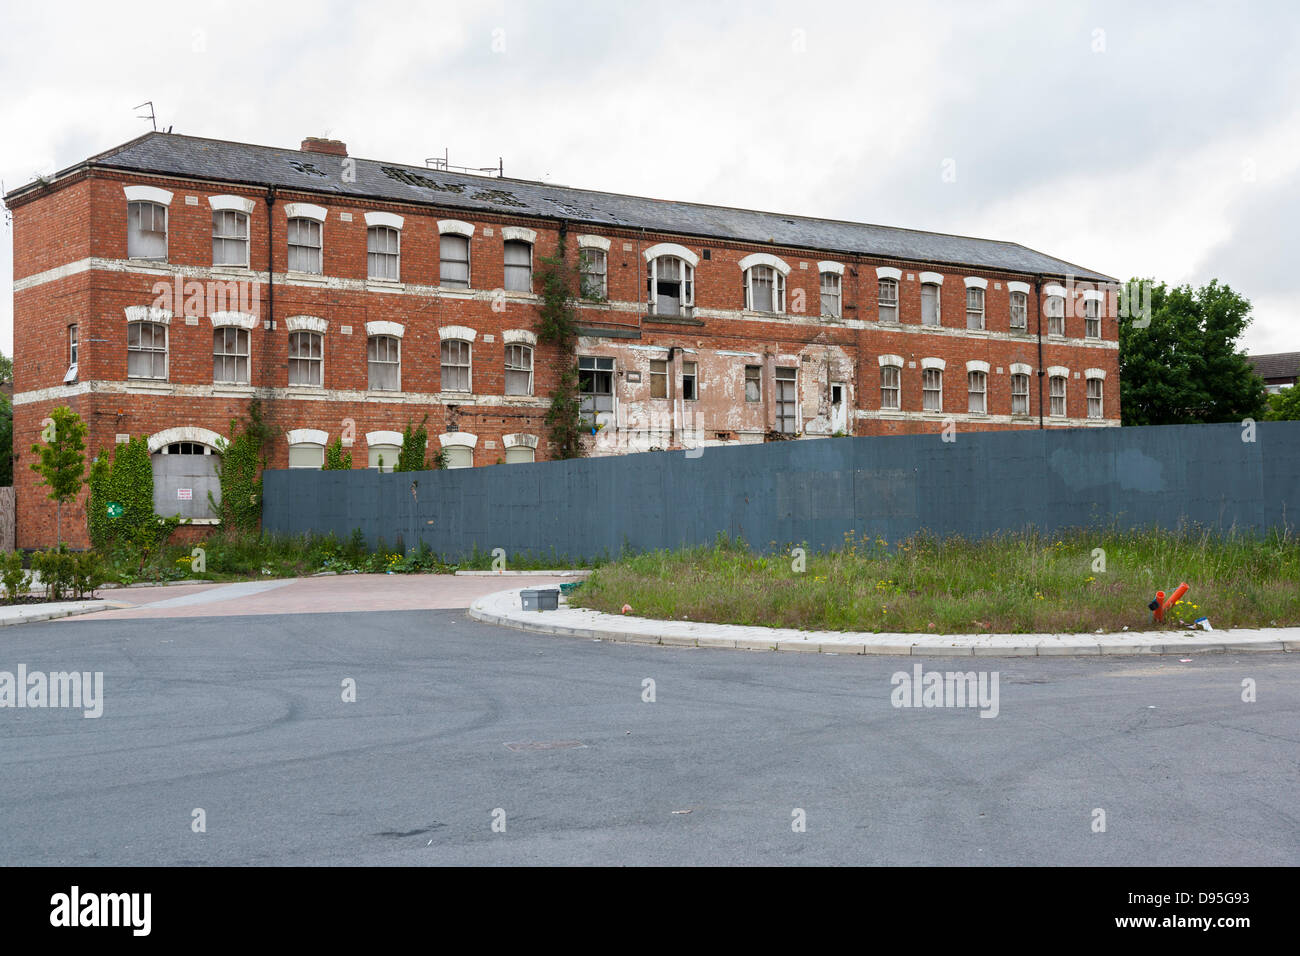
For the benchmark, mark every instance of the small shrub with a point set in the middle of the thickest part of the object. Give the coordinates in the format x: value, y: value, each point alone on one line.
x: 16, y: 580
x: 57, y: 570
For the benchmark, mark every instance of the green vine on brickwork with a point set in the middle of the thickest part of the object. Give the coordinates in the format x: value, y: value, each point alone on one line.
x: 557, y: 325
x: 240, y: 473
x: 335, y: 458
x: 415, y: 441
x: 124, y: 480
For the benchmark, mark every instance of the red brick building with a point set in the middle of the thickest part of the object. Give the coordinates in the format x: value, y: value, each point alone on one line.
x: 160, y: 286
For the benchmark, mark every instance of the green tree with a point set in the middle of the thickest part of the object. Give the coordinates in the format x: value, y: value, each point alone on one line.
x: 1284, y: 406
x: 335, y: 458
x: 6, y: 441
x: 1186, y: 366
x: 61, y: 460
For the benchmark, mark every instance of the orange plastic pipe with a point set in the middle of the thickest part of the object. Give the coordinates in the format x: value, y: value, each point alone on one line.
x: 1173, y: 599
x: 1158, y: 612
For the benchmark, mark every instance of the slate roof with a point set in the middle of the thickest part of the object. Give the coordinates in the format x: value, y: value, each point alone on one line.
x: 1276, y: 365
x: 191, y: 156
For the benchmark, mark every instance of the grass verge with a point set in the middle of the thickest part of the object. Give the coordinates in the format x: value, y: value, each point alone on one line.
x: 1075, y: 582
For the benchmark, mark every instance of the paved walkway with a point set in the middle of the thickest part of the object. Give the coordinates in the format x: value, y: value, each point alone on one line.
x: 314, y: 595
x: 504, y: 608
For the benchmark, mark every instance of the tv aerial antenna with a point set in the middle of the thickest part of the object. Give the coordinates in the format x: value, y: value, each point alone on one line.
x: 151, y: 117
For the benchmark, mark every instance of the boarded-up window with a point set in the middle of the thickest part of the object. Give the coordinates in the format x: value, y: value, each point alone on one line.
x: 929, y: 304
x: 184, y: 473
x: 519, y: 454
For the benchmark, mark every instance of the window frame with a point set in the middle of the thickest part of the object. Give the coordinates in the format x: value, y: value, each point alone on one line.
x: 165, y: 351
x: 793, y: 403
x: 72, y: 344
x: 586, y: 256
x: 1023, y: 311
x: 221, y: 332
x: 297, y: 223
x: 467, y: 365
x: 837, y: 295
x: 754, y: 374
x: 387, y: 341
x: 1091, y: 317
x: 1099, y: 398
x: 938, y: 304
x: 1017, y: 394
x: 507, y: 266
x: 881, y: 306
x: 686, y: 285
x: 222, y: 240
x: 1055, y: 315
x: 926, y: 391
x: 305, y: 361
x: 896, y: 387
x: 444, y: 260
x: 1052, y: 396
x: 658, y: 378
x: 520, y: 348
x: 693, y: 377
x: 976, y: 377
x: 778, y: 289
x: 976, y: 311
x: 139, y: 203
x: 380, y: 229
x: 597, y: 368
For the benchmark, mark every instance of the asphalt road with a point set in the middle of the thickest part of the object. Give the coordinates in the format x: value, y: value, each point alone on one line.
x: 243, y: 717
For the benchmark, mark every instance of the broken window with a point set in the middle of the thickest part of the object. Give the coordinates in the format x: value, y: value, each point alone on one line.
x: 146, y: 350
x: 146, y: 230
x: 690, y: 381
x: 305, y: 246
x: 786, y: 401
x: 887, y: 293
x: 384, y: 356
x: 594, y: 266
x: 1019, y: 310
x: 670, y: 285
x: 658, y: 378
x: 519, y: 370
x: 455, y: 365
x: 453, y: 254
x: 383, y: 253
x: 229, y: 238
x: 764, y: 289
x: 230, y: 355
x: 753, y: 383
x: 595, y: 386
x: 831, y: 294
x: 519, y: 266
x: 305, y: 358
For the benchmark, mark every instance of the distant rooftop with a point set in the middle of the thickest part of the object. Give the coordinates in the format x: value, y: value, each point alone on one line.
x: 1276, y: 365
x: 319, y: 171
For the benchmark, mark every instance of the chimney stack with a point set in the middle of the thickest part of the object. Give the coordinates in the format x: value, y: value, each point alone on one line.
x: 316, y: 144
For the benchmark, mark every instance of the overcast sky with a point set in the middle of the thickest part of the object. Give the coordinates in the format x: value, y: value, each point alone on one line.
x: 1156, y: 139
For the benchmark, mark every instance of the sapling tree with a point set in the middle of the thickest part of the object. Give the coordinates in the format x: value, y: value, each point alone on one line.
x: 61, y: 460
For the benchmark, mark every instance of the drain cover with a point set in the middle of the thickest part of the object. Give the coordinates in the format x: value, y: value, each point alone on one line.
x: 521, y: 745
